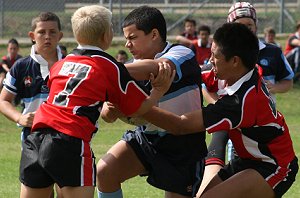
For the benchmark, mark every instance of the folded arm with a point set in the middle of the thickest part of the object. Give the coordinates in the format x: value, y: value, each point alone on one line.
x: 160, y: 85
x: 141, y: 69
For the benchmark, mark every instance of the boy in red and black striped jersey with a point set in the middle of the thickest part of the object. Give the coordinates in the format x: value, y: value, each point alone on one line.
x: 267, y: 165
x: 58, y: 149
x: 276, y: 72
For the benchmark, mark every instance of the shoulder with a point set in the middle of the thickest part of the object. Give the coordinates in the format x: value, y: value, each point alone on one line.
x: 19, y: 56
x: 271, y: 49
x: 23, y: 63
x: 178, y: 48
x: 25, y: 60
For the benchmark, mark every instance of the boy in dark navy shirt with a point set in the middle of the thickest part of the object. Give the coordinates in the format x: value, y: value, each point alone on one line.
x: 28, y: 76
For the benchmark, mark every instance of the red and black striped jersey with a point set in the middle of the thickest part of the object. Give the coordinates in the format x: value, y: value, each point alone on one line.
x: 247, y: 111
x: 79, y: 84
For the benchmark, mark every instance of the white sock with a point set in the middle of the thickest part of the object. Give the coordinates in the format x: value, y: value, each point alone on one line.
x: 116, y: 194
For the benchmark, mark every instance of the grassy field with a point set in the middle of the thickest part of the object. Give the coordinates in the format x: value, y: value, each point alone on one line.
x: 111, y: 133
x: 108, y: 134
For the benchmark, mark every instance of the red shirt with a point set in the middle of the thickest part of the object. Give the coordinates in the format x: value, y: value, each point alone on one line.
x: 203, y: 53
x: 79, y: 84
x: 246, y: 110
x: 190, y: 36
x: 288, y: 46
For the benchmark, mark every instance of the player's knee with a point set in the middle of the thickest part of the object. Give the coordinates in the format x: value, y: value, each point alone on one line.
x: 107, y: 178
x: 105, y: 174
x: 102, y: 170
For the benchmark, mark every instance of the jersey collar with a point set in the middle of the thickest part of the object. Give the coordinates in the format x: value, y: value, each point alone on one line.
x: 261, y: 45
x: 164, y: 51
x: 208, y: 45
x: 158, y: 55
x: 230, y: 90
x: 89, y: 47
x: 43, y: 63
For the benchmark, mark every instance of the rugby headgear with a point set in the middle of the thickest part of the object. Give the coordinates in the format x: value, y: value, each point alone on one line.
x: 241, y: 10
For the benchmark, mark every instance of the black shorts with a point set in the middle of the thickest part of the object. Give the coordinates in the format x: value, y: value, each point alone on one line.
x: 49, y: 157
x: 279, y: 178
x: 174, y: 163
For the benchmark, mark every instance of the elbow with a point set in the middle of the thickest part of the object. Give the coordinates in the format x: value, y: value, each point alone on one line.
x: 108, y: 119
x: 180, y: 127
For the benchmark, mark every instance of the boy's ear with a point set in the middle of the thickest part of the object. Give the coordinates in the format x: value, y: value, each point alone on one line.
x: 31, y: 36
x: 105, y: 40
x: 236, y: 61
x: 61, y: 34
x: 155, y: 34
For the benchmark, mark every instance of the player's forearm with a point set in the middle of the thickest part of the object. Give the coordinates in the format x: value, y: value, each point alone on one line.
x: 108, y: 116
x: 148, y: 103
x: 140, y: 70
x: 178, y: 125
x: 282, y: 86
x: 5, y: 67
x: 160, y: 85
x: 209, y: 97
x: 9, y: 111
x: 295, y: 42
x: 184, y: 41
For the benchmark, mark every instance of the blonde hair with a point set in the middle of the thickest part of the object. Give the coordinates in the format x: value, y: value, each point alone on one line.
x: 89, y: 23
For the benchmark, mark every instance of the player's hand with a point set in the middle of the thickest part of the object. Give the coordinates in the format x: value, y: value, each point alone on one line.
x: 26, y: 120
x: 110, y: 112
x: 164, y: 78
x: 270, y: 86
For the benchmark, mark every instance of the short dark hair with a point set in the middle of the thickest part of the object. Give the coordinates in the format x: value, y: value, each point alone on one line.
x: 205, y: 28
x: 45, y: 16
x: 190, y: 21
x: 146, y: 19
x: 63, y: 47
x: 269, y: 30
x: 122, y: 52
x: 235, y: 39
x: 13, y: 41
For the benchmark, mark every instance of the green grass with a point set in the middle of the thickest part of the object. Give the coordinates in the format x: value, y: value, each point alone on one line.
x: 108, y: 134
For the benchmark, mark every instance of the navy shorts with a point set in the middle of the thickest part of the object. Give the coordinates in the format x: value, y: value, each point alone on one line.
x: 174, y: 163
x: 49, y: 157
x: 279, y: 178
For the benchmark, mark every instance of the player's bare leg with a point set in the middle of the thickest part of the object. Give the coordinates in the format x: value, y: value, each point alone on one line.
x: 78, y: 192
x: 119, y: 164
x: 27, y: 192
x: 247, y: 184
x: 209, y: 172
x: 174, y: 195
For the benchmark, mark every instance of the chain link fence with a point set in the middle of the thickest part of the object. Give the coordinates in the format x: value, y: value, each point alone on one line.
x: 16, y: 15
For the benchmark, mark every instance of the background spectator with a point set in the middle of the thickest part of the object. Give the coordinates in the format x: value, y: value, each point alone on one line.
x: 292, y: 51
x: 63, y: 50
x: 189, y: 31
x: 8, y: 60
x: 122, y: 56
x: 270, y: 36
